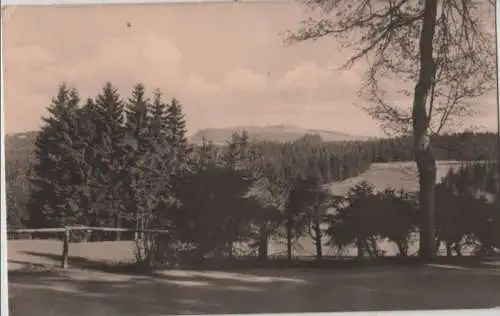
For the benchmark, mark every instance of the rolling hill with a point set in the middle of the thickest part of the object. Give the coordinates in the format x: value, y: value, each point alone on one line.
x: 19, y: 146
x: 22, y: 144
x: 280, y: 133
x: 396, y: 175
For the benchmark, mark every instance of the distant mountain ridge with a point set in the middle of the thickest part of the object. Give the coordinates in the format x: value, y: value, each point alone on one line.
x: 279, y: 133
x: 20, y: 146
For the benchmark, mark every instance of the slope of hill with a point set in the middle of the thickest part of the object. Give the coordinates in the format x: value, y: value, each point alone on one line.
x: 395, y: 175
x: 19, y: 146
x: 22, y: 144
x: 281, y: 133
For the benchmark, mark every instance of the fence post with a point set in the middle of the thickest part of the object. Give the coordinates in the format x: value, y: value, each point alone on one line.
x: 65, y: 248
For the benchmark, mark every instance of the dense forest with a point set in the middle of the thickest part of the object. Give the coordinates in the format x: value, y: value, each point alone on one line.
x: 111, y: 161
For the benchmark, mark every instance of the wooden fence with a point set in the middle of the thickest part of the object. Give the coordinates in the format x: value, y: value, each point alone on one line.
x: 67, y: 235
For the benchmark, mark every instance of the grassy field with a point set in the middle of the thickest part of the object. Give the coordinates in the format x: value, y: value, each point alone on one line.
x: 36, y: 288
x: 22, y: 253
x: 396, y: 175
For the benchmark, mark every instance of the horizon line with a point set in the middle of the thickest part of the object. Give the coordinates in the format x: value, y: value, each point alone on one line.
x: 243, y: 127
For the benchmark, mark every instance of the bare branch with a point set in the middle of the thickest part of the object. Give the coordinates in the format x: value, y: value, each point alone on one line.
x: 387, y: 34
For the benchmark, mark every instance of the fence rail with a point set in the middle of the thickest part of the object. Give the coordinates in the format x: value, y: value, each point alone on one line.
x: 83, y: 228
x: 67, y: 235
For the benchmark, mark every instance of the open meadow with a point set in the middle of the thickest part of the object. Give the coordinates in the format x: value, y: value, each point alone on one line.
x: 210, y: 159
x: 35, y: 278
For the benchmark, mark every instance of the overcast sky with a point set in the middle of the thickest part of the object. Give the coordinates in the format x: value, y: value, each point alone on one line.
x: 226, y: 63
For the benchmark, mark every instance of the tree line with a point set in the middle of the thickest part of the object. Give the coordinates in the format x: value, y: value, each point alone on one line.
x: 466, y: 215
x: 420, y: 43
x: 126, y: 163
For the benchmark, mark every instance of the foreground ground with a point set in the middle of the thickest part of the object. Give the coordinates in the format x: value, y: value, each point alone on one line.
x: 36, y: 290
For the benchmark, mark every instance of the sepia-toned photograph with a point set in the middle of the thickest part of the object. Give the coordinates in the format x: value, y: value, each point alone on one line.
x: 239, y: 157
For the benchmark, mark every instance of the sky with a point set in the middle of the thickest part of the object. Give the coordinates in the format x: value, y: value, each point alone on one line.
x: 225, y: 62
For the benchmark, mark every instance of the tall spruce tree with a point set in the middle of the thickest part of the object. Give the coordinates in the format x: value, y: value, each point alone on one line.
x: 55, y: 174
x: 237, y: 177
x: 137, y: 128
x: 158, y: 124
x: 112, y: 155
x: 137, y: 115
x: 176, y: 135
x: 162, y: 163
x: 175, y: 152
x: 86, y: 149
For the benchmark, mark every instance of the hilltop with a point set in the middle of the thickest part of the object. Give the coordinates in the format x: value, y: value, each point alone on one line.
x: 396, y: 175
x: 21, y: 145
x: 277, y: 133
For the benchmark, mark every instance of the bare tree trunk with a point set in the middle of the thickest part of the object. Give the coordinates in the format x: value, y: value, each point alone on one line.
x: 317, y: 239
x: 427, y: 173
x: 289, y: 239
x: 424, y: 158
x: 402, y: 248
x: 230, y: 249
x: 449, y: 252
x: 67, y: 236
x: 263, y: 242
x: 374, y: 246
x: 118, y: 225
x: 359, y: 246
x: 136, y: 234
x: 366, y: 245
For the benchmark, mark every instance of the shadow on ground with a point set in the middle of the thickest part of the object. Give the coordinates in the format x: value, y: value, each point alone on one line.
x: 291, y: 290
x: 239, y: 263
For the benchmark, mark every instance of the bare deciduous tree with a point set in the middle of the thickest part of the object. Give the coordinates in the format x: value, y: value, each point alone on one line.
x: 443, y: 48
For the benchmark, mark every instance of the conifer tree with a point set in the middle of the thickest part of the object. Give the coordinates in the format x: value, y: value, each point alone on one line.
x: 86, y: 159
x: 153, y: 185
x: 158, y: 165
x: 137, y: 114
x: 238, y: 174
x: 169, y: 154
x: 52, y: 201
x: 158, y: 124
x: 111, y: 155
x: 178, y: 166
x: 176, y: 134
x: 136, y: 129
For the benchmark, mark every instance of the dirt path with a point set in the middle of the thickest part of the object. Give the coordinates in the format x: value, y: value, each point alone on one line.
x: 256, y: 291
x: 85, y: 292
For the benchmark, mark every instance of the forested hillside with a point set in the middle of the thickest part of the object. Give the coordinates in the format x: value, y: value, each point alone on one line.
x: 126, y: 162
x: 465, y: 146
x: 333, y: 161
